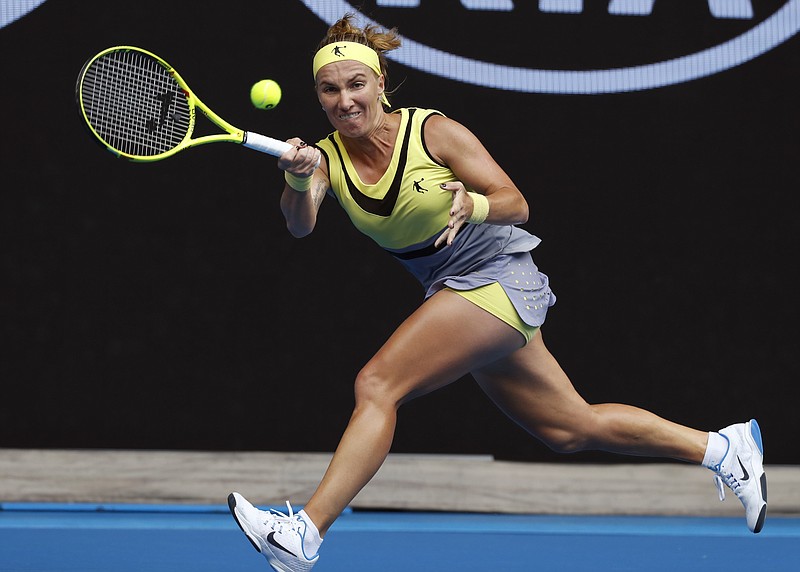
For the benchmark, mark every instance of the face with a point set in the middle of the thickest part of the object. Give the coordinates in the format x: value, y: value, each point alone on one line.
x: 349, y: 93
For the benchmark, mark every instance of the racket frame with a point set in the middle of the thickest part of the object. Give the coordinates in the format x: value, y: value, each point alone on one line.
x: 232, y: 134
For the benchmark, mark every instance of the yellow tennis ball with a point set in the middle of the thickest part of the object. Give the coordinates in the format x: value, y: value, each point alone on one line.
x: 265, y: 94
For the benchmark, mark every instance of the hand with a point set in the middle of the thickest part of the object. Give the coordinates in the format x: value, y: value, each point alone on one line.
x: 459, y: 212
x: 301, y: 160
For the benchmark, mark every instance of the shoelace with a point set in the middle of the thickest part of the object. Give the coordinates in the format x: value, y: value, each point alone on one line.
x: 280, y: 520
x: 729, y: 480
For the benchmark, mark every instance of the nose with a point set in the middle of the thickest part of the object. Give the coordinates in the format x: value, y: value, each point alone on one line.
x: 345, y: 100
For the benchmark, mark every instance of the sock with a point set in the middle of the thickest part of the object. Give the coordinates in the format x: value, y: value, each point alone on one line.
x: 311, y: 539
x: 716, y: 450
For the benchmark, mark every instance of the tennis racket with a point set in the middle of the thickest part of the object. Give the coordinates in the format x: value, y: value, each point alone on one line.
x: 141, y: 109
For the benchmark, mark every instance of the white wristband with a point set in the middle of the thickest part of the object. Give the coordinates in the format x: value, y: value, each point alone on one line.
x: 480, y: 208
x: 299, y: 184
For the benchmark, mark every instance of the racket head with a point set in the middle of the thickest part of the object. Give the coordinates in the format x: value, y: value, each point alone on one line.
x: 135, y: 104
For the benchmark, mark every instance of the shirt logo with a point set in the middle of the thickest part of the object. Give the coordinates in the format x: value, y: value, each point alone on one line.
x: 742, y: 30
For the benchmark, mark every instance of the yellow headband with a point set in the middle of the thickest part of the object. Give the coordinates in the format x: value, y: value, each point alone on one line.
x: 349, y: 51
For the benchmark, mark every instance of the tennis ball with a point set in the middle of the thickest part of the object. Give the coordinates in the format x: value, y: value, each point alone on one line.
x: 265, y: 94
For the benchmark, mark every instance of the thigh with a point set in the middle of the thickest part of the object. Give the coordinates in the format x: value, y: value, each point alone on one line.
x: 444, y: 339
x: 530, y: 386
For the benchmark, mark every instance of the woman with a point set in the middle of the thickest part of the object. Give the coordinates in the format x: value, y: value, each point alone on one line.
x: 426, y: 190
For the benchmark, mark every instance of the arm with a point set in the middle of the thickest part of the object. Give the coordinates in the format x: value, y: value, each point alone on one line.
x: 454, y: 145
x: 300, y: 208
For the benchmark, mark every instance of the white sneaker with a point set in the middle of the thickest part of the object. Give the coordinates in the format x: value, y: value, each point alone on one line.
x: 279, y: 537
x: 742, y: 470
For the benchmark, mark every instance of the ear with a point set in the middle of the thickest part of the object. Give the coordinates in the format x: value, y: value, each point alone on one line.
x: 381, y: 84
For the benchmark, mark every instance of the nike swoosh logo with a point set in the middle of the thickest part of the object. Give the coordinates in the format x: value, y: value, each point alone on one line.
x: 746, y: 476
x: 273, y: 542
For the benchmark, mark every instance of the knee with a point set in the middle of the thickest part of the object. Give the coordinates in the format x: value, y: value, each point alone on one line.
x: 565, y: 440
x: 374, y: 385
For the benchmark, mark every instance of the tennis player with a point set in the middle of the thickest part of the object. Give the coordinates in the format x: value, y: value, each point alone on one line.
x: 427, y: 191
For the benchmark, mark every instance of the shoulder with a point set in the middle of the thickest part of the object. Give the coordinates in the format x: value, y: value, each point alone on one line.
x: 442, y: 136
x: 437, y: 123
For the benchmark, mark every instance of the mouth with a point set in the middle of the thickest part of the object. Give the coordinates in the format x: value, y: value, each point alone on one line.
x: 348, y: 116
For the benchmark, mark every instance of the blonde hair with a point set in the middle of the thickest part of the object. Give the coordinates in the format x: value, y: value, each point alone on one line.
x: 375, y: 37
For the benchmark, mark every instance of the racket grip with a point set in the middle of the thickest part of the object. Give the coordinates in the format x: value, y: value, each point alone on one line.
x: 265, y: 144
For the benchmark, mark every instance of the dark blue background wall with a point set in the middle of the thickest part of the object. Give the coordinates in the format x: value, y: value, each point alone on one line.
x: 165, y: 305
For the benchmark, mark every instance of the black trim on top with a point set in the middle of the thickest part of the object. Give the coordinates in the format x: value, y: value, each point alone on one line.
x: 384, y: 206
x: 427, y: 251
x: 422, y: 138
x: 424, y: 251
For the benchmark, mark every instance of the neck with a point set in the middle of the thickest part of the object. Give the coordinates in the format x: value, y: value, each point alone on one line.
x: 378, y: 141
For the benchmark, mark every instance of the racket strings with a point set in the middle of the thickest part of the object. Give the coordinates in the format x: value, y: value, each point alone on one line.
x: 134, y: 104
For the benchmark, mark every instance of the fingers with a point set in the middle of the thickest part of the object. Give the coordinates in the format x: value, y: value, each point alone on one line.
x: 462, y: 205
x: 443, y: 238
x: 301, y: 160
x: 453, y: 186
x: 459, y: 212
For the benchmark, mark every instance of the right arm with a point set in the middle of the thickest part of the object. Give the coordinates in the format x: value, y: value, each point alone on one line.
x: 300, y: 208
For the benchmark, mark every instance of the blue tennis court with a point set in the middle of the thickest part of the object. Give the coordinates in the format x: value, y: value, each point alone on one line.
x: 160, y: 538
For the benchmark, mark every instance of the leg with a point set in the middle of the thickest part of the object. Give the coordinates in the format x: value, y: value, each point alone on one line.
x: 421, y: 356
x: 532, y: 389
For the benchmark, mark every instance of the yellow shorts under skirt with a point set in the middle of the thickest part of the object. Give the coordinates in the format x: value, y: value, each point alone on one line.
x: 494, y: 300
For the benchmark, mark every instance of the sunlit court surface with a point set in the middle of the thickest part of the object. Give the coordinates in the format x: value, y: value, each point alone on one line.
x: 122, y: 511
x: 204, y: 539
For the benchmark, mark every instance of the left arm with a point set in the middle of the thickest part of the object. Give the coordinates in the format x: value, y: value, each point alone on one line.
x: 457, y: 147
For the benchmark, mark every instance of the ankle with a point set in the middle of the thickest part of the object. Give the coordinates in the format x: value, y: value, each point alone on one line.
x: 716, y: 450
x: 312, y: 539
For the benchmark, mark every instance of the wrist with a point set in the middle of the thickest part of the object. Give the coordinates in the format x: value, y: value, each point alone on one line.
x: 299, y: 184
x: 480, y: 208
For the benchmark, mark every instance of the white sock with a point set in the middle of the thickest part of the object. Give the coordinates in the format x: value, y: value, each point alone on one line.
x: 716, y: 450
x: 311, y: 540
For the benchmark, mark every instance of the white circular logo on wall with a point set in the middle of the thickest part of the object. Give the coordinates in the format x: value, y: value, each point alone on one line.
x: 758, y: 39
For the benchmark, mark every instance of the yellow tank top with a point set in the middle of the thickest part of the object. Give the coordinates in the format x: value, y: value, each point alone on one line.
x: 406, y: 206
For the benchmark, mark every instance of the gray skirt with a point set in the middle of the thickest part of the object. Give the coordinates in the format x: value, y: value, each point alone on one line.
x: 480, y: 255
x: 526, y: 287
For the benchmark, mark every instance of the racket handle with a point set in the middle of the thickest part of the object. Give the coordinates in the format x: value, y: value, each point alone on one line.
x: 265, y: 144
